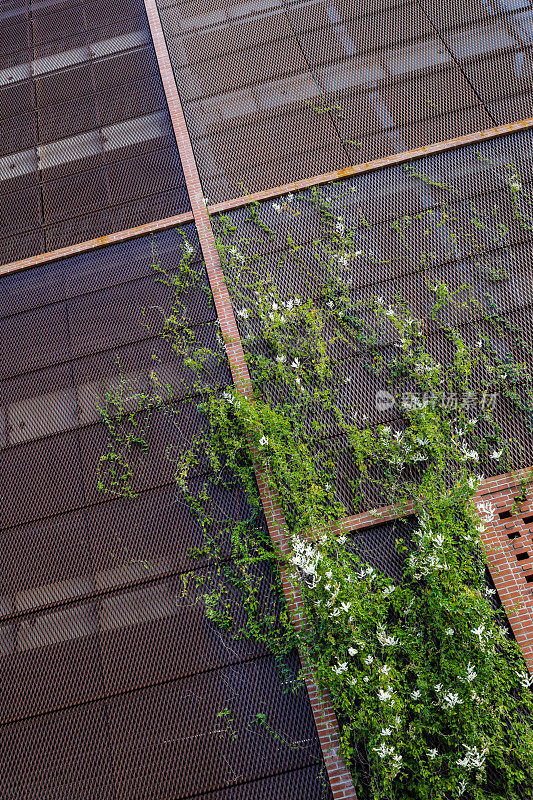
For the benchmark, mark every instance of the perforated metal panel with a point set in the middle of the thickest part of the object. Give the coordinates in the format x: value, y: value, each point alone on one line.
x: 83, y: 119
x: 115, y: 683
x: 277, y: 91
x: 453, y: 219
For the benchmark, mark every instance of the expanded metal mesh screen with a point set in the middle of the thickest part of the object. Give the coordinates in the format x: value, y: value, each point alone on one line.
x: 115, y: 683
x: 277, y: 90
x: 461, y: 220
x: 86, y: 143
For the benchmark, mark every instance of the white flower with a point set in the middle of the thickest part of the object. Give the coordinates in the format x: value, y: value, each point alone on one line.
x: 297, y: 301
x: 438, y: 687
x: 327, y: 487
x: 385, y: 669
x: 275, y: 306
x: 243, y: 313
x: 486, y: 511
x: 388, y: 590
x: 479, y: 631
x: 471, y: 673
x: 383, y: 751
x: 473, y: 758
x: 336, y: 612
x: 469, y: 454
x: 366, y: 678
x: 526, y: 681
x: 263, y: 441
x: 496, y: 454
x: 229, y: 397
x: 386, y: 641
x: 432, y: 753
x: 386, y: 732
x: 359, y: 253
x: 276, y: 207
x: 352, y: 651
x: 416, y: 694
x: 345, y: 607
x: 281, y: 358
x: 289, y: 198
x: 449, y: 631
x: 451, y: 700
x: 296, y: 363
x: 289, y: 305
x: 369, y: 660
x: 383, y: 695
x: 340, y: 668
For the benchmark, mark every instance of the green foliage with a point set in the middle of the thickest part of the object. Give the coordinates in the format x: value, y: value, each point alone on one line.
x: 433, y: 695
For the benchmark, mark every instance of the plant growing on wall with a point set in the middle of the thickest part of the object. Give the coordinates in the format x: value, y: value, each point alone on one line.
x: 432, y: 693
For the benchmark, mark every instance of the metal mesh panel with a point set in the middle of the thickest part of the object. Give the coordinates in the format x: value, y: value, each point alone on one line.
x: 446, y: 220
x: 84, y: 117
x: 297, y: 785
x: 274, y: 92
x: 176, y: 726
x: 115, y: 681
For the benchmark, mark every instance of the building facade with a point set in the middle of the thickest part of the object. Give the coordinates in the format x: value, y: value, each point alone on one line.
x: 124, y: 128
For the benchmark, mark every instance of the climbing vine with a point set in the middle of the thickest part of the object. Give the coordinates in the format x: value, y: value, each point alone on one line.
x: 432, y: 693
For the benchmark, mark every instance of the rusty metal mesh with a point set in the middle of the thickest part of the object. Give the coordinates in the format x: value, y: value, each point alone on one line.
x: 280, y: 90
x: 86, y: 143
x: 115, y: 682
x: 461, y: 219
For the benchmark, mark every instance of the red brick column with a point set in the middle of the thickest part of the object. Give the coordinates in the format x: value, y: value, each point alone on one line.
x: 509, y: 543
x: 324, y: 715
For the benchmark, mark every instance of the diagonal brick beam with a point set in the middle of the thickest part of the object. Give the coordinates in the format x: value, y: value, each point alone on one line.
x: 371, y: 166
x: 323, y: 712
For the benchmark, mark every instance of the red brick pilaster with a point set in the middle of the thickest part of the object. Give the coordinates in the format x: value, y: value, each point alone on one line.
x: 323, y: 712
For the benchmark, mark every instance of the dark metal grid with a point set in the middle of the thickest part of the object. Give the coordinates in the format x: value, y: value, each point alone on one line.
x: 121, y: 641
x: 94, y: 270
x: 90, y: 587
x: 110, y: 546
x: 88, y: 129
x: 495, y: 265
x: 260, y: 85
x: 133, y: 746
x: 298, y: 785
x: 176, y: 726
x: 94, y: 322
